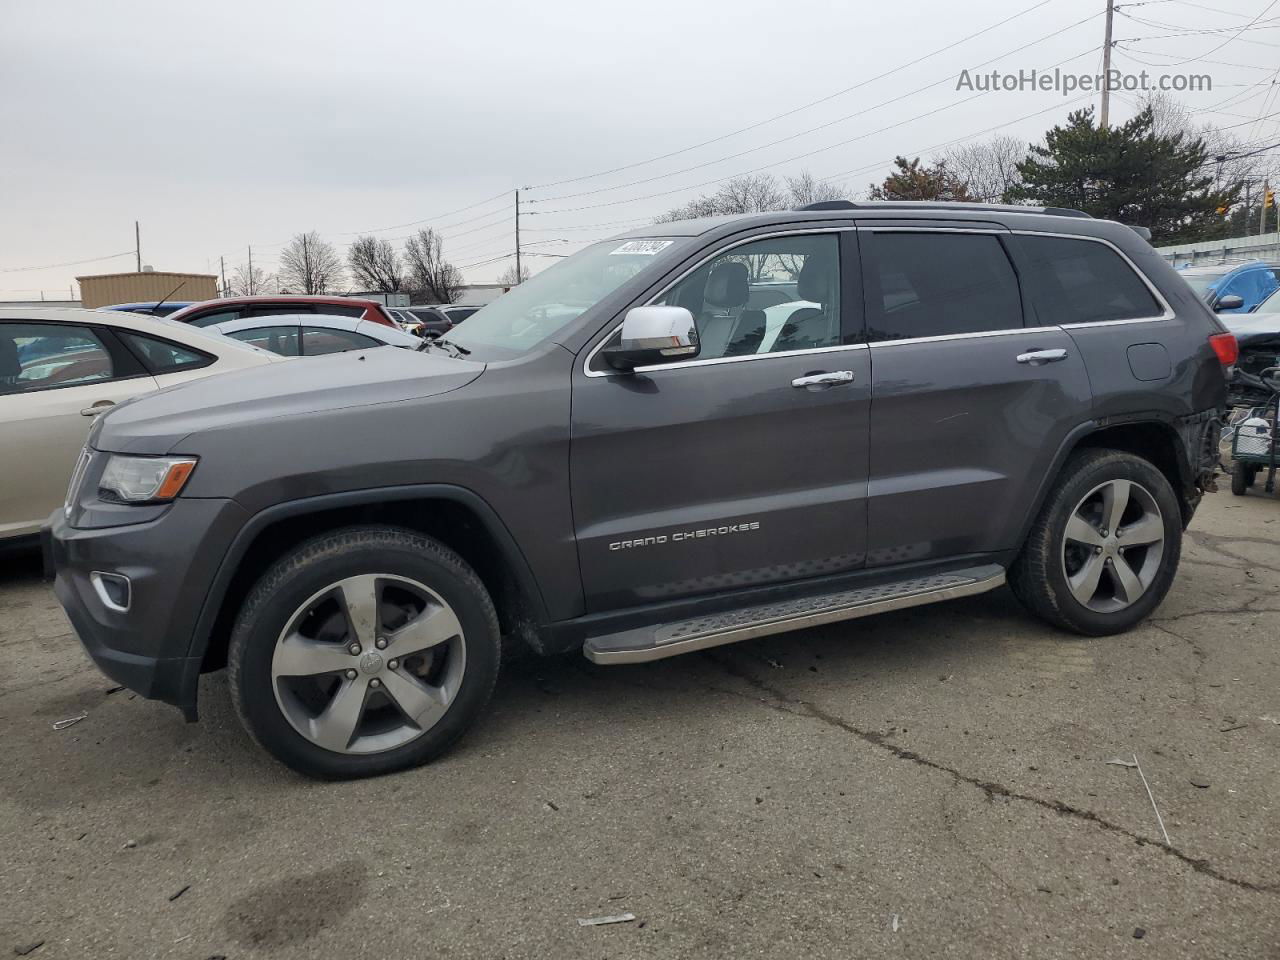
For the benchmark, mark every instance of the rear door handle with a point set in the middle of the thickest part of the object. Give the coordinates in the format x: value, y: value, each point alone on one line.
x: 1037, y: 357
x: 102, y: 406
x: 824, y: 379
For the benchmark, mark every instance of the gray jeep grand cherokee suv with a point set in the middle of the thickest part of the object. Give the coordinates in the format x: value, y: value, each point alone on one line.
x: 691, y: 434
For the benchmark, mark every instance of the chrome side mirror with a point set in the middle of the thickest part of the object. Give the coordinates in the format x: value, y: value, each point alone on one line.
x: 653, y: 335
x: 1230, y: 302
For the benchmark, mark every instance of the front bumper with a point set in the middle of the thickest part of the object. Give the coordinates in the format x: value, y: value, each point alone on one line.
x: 170, y: 561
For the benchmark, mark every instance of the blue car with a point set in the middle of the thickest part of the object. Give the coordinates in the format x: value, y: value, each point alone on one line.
x: 1252, y: 282
x: 150, y: 307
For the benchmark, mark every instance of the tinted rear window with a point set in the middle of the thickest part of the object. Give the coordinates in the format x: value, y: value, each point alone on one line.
x: 1084, y: 281
x: 939, y: 284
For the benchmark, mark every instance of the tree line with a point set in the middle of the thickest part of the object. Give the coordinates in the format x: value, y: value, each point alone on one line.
x: 309, y: 264
x: 1156, y: 171
x: 1159, y: 170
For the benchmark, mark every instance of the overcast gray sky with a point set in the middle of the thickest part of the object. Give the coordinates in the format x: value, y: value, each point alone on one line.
x: 220, y: 125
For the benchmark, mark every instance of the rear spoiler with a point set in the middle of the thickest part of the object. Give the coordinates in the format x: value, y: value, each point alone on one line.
x: 1143, y: 232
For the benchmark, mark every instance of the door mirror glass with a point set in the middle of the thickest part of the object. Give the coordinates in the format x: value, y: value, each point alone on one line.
x: 653, y: 335
x: 1230, y: 302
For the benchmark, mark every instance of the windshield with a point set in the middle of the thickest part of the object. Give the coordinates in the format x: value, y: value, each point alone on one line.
x: 540, y: 307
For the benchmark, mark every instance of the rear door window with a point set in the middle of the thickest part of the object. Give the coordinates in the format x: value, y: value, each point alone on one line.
x: 1083, y: 281
x: 317, y: 341
x: 281, y: 340
x: 923, y: 284
x: 41, y: 356
x: 277, y: 309
x: 216, y: 316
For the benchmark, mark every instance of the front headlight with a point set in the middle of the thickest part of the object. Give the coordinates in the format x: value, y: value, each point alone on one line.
x: 144, y: 479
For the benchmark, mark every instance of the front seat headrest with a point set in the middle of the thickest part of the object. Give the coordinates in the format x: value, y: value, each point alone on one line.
x: 727, y: 285
x: 814, y: 282
x: 10, y: 365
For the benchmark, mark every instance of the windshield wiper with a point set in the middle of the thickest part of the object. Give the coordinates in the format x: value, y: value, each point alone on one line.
x: 449, y: 344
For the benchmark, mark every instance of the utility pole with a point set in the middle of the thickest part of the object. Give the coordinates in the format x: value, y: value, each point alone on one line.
x: 248, y: 284
x: 137, y: 243
x: 1248, y: 204
x: 222, y: 267
x: 1106, y: 68
x: 518, y: 275
x: 1262, y: 216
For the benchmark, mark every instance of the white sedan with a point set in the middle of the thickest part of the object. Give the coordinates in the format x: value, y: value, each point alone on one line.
x: 60, y: 368
x: 314, y: 335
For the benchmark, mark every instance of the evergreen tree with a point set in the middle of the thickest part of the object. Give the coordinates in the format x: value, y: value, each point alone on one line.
x: 1127, y: 173
x: 911, y: 181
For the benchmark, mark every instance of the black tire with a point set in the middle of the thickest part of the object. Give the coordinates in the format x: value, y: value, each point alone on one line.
x: 1241, y: 479
x: 325, y: 560
x: 1037, y: 576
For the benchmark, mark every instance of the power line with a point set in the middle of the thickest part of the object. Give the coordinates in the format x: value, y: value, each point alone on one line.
x: 822, y: 126
x: 795, y: 110
x: 438, y: 216
x: 1235, y: 36
x: 801, y: 156
x: 69, y: 263
x: 951, y: 143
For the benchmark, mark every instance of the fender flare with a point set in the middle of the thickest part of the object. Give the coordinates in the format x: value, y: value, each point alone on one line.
x: 517, y: 563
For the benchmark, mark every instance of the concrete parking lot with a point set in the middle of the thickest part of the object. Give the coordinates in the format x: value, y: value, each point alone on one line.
x: 931, y: 783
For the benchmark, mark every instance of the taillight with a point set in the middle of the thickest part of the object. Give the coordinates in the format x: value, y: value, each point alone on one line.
x: 1225, y: 346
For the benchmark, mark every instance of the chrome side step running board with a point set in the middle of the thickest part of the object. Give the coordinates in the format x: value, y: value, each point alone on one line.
x: 668, y: 640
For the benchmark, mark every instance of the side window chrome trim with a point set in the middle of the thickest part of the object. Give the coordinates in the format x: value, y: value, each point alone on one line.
x: 973, y: 335
x: 1167, y: 312
x: 719, y: 251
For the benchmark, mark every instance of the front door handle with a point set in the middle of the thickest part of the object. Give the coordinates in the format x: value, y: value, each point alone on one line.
x: 1037, y: 357
x: 824, y: 379
x: 102, y: 406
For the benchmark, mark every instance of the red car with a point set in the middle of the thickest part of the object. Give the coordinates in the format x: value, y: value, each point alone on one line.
x: 208, y: 312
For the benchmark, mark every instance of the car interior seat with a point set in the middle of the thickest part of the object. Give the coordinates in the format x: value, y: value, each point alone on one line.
x: 811, y: 326
x: 10, y: 365
x: 727, y: 288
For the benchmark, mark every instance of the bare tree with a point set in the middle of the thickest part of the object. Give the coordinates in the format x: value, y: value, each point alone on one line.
x: 375, y: 265
x: 754, y: 193
x: 430, y: 276
x: 509, y: 278
x: 309, y: 264
x: 988, y: 168
x: 806, y: 189
x: 250, y: 283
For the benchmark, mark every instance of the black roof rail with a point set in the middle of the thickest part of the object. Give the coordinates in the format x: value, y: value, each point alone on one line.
x: 942, y: 205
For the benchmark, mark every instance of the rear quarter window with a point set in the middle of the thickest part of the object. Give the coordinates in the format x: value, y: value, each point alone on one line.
x: 1083, y: 281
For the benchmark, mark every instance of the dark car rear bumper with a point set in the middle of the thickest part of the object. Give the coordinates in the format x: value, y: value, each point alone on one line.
x: 170, y: 563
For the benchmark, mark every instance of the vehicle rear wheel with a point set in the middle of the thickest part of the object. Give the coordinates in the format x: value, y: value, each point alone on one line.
x: 364, y: 651
x: 1104, y: 550
x: 1241, y: 478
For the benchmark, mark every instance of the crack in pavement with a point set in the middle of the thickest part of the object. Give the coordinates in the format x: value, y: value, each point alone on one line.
x: 781, y: 702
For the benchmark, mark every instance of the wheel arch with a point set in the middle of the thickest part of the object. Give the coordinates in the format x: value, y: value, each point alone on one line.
x: 1154, y: 438
x: 456, y: 516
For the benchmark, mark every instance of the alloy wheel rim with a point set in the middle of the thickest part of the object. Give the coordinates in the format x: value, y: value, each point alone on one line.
x: 1113, y: 546
x: 368, y: 664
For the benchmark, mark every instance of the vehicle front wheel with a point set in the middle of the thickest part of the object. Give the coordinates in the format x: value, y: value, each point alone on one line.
x: 1104, y: 549
x: 364, y: 651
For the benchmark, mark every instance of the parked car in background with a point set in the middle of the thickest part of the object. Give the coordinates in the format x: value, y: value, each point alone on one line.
x: 404, y: 319
x: 209, y: 312
x: 1258, y: 334
x: 1218, y: 286
x: 151, y: 308
x: 60, y: 368
x: 314, y: 335
x: 435, y: 321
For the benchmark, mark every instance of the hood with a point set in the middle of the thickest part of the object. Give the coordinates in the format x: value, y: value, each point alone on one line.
x: 154, y: 423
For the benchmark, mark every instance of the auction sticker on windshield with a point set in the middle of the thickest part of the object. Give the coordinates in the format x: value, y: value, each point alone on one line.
x: 641, y: 248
